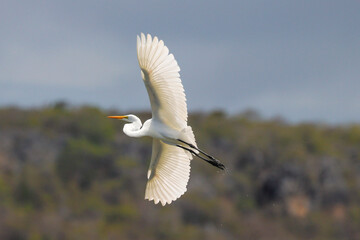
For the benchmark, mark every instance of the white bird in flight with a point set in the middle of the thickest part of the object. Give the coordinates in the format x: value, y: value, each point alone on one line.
x: 173, y: 140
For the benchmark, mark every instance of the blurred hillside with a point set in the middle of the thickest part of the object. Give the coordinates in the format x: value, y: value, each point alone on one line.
x: 71, y: 173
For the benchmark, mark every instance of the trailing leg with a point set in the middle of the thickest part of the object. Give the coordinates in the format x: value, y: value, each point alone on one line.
x: 210, y: 159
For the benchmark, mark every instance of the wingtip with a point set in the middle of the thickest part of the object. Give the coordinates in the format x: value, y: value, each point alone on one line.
x: 142, y: 35
x: 157, y: 201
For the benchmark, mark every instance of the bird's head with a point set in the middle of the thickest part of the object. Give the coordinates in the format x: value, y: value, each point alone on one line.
x: 126, y: 118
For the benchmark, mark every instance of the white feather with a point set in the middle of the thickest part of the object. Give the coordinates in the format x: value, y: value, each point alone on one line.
x: 160, y: 73
x: 168, y: 173
x: 169, y: 169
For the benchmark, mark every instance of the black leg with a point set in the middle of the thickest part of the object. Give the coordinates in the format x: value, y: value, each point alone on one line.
x: 193, y: 152
x: 220, y: 165
x: 212, y: 160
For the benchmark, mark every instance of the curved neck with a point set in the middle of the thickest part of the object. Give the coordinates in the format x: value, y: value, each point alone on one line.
x: 134, y: 129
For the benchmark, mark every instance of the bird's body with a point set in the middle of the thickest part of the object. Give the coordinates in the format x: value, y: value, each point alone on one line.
x: 173, y: 140
x: 151, y: 128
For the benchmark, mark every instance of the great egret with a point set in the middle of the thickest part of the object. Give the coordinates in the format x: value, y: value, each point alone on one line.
x: 173, y: 140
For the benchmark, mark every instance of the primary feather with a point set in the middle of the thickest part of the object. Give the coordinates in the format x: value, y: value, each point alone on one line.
x: 168, y: 173
x: 160, y: 73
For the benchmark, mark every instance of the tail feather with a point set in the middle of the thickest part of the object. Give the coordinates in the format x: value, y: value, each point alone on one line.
x: 187, y: 135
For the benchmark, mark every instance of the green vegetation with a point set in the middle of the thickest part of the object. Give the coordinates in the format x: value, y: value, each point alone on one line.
x: 70, y: 173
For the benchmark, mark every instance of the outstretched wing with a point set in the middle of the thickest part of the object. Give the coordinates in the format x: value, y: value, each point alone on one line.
x: 160, y: 73
x: 168, y: 173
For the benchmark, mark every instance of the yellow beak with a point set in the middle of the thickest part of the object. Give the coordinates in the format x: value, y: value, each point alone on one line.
x: 117, y: 117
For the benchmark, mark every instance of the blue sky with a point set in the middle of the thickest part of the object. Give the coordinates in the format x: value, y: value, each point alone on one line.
x: 295, y: 59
